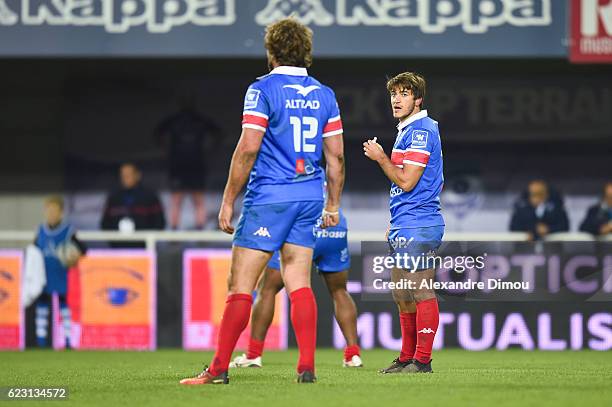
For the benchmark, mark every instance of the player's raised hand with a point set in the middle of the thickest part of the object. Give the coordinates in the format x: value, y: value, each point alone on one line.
x: 225, y: 218
x: 373, y: 150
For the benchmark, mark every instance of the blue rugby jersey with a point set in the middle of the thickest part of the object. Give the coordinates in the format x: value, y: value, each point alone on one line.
x: 295, y: 112
x: 418, y: 143
x: 48, y: 240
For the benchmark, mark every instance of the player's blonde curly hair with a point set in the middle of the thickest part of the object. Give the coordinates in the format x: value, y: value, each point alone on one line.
x: 289, y: 42
x: 411, y: 81
x: 55, y: 200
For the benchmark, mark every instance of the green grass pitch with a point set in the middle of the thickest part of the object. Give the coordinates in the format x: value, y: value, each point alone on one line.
x: 461, y: 378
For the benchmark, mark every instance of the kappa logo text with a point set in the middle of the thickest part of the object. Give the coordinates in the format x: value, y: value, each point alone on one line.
x: 427, y: 331
x: 262, y: 231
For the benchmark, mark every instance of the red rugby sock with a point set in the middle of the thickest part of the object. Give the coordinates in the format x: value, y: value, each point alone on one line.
x: 427, y: 319
x: 409, y: 335
x: 235, y: 318
x: 351, y: 351
x: 304, y: 320
x: 255, y: 348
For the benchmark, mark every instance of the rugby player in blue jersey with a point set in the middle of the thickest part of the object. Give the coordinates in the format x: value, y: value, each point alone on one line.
x: 332, y: 259
x: 290, y: 119
x: 417, y: 226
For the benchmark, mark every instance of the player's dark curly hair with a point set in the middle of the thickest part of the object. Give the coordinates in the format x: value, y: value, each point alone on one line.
x: 289, y: 42
x: 410, y: 81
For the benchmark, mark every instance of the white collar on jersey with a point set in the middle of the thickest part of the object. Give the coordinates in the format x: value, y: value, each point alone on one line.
x: 402, y: 125
x: 289, y: 70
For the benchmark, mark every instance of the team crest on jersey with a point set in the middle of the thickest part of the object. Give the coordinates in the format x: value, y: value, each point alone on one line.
x: 419, y: 139
x: 251, y: 99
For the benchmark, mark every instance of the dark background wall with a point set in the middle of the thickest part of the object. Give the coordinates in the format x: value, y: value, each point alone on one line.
x: 66, y: 123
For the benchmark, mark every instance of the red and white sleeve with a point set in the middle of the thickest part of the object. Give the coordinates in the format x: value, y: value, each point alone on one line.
x: 333, y: 127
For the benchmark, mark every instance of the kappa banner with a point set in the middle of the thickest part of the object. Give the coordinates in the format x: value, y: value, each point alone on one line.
x: 11, y: 310
x: 160, y: 16
x: 234, y: 28
x: 117, y: 300
x: 591, y: 31
x: 205, y: 274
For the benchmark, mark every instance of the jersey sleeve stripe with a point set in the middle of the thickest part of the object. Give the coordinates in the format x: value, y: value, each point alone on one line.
x: 333, y: 126
x: 251, y: 119
x: 332, y: 133
x: 417, y: 157
x: 417, y: 150
x: 253, y: 126
x: 334, y: 119
x: 255, y: 113
x: 415, y: 163
x: 397, y: 157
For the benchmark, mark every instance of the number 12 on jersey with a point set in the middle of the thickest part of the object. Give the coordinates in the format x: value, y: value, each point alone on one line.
x: 304, y: 128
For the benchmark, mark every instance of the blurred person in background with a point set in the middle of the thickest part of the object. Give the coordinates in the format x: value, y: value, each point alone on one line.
x: 187, y: 136
x: 598, y: 220
x: 539, y: 212
x: 132, y: 207
x: 61, y: 250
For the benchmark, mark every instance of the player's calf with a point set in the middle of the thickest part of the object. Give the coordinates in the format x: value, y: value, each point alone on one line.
x: 346, y: 315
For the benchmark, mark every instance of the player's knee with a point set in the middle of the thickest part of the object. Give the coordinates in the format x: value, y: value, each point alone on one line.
x: 402, y: 296
x: 423, y: 295
x: 234, y: 287
x: 268, y: 292
x: 406, y: 306
x: 272, y: 283
x: 336, y: 287
x: 339, y: 293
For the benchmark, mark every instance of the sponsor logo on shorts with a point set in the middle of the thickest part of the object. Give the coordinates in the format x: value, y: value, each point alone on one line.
x: 400, y: 242
x: 427, y: 331
x: 332, y: 234
x: 262, y: 231
x: 344, y: 254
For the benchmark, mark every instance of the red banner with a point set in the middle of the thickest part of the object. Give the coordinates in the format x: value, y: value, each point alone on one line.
x: 205, y: 274
x: 11, y: 308
x: 591, y: 31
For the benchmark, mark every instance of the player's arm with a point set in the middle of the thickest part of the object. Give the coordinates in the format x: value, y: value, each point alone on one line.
x: 242, y: 163
x: 254, y: 125
x: 333, y: 149
x: 406, y: 177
